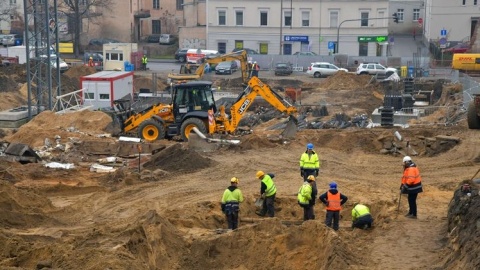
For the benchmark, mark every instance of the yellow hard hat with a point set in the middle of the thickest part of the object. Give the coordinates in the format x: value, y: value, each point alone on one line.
x: 91, y: 57
x: 259, y: 174
x: 311, y: 178
x: 234, y: 180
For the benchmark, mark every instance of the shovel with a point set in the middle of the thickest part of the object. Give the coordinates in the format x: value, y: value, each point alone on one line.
x: 259, y: 202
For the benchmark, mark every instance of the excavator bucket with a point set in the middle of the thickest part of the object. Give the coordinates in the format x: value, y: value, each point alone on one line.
x: 291, y: 129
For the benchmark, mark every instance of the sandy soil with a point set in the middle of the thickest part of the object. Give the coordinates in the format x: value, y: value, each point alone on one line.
x: 168, y: 216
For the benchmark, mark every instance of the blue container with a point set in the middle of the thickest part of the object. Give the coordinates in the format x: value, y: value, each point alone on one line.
x: 426, y: 73
x: 126, y: 65
x: 410, y: 71
x: 132, y: 67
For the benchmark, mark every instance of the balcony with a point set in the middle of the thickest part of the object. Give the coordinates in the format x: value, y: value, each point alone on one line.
x: 142, y: 13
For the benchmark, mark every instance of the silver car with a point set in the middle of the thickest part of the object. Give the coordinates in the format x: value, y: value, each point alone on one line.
x: 319, y: 69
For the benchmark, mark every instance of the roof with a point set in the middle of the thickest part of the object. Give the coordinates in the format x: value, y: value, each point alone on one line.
x: 107, y: 74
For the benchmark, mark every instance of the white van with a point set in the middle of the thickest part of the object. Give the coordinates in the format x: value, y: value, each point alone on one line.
x: 194, y: 55
x: 167, y: 39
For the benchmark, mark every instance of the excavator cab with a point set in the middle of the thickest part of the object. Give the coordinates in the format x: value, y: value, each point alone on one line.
x: 191, y: 102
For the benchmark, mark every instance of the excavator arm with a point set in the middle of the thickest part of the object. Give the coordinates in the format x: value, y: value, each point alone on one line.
x: 240, y: 56
x: 255, y: 88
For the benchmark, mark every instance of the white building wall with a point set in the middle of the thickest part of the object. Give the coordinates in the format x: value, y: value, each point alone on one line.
x: 410, y: 19
x: 452, y: 16
x: 319, y: 32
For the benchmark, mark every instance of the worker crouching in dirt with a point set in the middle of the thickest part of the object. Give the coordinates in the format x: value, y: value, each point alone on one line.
x: 268, y: 190
x: 333, y: 200
x: 232, y: 197
x: 306, y: 198
x: 361, y: 217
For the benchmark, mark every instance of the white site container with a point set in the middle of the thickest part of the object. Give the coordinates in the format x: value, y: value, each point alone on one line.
x: 103, y: 87
x: 116, y: 54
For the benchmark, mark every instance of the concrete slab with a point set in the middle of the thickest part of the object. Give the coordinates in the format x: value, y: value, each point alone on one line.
x: 399, y: 118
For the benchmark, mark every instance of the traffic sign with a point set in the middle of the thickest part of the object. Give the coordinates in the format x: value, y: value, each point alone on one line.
x: 443, y: 32
x: 420, y: 20
x: 442, y: 42
x: 331, y: 45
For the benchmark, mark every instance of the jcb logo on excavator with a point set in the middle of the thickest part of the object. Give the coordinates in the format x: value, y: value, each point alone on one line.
x: 244, y: 106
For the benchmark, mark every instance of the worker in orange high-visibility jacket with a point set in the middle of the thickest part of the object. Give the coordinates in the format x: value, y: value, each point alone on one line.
x: 333, y: 200
x: 411, y: 185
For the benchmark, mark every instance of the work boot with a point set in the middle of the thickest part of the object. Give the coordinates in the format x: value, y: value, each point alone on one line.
x: 412, y: 216
x: 408, y: 215
x: 260, y: 214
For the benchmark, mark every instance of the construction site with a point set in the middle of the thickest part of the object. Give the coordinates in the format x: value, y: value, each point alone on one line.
x: 74, y: 195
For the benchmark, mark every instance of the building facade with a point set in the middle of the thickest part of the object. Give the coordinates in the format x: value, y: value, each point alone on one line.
x: 410, y: 13
x: 457, y: 17
x: 11, y: 16
x: 285, y: 27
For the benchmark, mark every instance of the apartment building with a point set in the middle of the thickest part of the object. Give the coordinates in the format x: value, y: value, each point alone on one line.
x: 11, y: 16
x: 411, y: 15
x: 457, y: 17
x: 285, y: 27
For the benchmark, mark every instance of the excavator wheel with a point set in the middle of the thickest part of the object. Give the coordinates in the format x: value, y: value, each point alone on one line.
x: 189, y: 124
x: 151, y: 130
x: 473, y: 119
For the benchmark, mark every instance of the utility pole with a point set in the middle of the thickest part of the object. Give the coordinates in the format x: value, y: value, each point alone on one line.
x: 281, y: 26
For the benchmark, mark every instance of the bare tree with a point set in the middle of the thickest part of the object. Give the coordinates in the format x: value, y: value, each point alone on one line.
x: 169, y: 23
x: 78, y: 10
x: 7, y: 12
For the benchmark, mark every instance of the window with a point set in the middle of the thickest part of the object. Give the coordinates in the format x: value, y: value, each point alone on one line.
x: 179, y: 4
x: 287, y: 18
x: 474, y: 2
x: 222, y: 47
x: 114, y: 56
x: 222, y: 17
x: 381, y: 22
x: 238, y: 17
x: 89, y: 95
x: 363, y: 51
x: 12, y: 2
x: 156, y: 29
x: 364, y: 18
x: 463, y: 2
x: 264, y: 48
x: 156, y: 4
x: 400, y: 14
x: 263, y: 18
x: 477, y: 60
x: 416, y: 14
x: 333, y: 19
x: 305, y: 18
x: 104, y: 96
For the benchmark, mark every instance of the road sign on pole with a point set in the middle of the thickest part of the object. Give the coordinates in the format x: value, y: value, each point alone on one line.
x: 420, y: 20
x: 443, y: 43
x: 443, y: 32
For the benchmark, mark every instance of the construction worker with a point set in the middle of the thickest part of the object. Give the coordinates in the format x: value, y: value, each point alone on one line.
x: 249, y: 67
x: 90, y: 61
x: 144, y: 62
x: 309, y: 163
x: 305, y: 197
x: 411, y: 185
x: 255, y: 69
x: 361, y: 217
x: 268, y: 191
x: 232, y: 197
x: 333, y: 200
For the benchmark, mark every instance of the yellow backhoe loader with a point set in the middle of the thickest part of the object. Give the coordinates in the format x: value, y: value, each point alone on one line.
x: 185, y: 76
x: 193, y: 108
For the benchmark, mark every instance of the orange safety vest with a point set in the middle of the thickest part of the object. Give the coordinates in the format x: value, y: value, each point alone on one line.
x: 411, y: 176
x: 334, y: 201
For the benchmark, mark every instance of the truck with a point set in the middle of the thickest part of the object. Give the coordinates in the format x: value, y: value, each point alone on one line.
x: 193, y: 109
x: 473, y: 112
x: 466, y: 61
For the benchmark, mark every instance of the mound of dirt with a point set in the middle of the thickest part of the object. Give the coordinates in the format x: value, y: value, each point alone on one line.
x: 256, y: 141
x: 345, y: 81
x: 177, y: 159
x: 48, y: 124
x: 79, y: 71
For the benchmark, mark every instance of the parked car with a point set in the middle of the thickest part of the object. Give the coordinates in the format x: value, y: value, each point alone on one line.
x: 249, y: 51
x: 374, y: 69
x: 101, y: 41
x: 155, y: 38
x: 319, y: 69
x: 305, y: 53
x: 283, y: 69
x: 167, y: 39
x: 227, y: 67
x: 1, y: 38
x: 181, y: 55
x: 12, y: 40
x: 53, y: 60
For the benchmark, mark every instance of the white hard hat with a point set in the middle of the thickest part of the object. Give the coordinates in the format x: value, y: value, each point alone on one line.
x: 407, y: 158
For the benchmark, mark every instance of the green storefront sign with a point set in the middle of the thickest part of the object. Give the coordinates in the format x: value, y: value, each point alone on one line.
x: 373, y: 39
